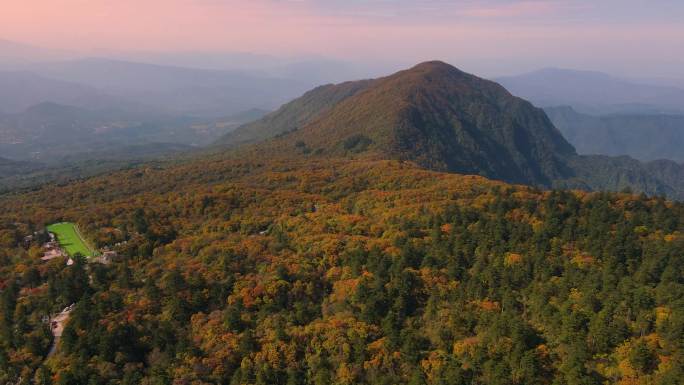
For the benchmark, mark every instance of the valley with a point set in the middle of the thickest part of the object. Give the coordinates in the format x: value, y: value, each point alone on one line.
x: 52, y: 143
x: 646, y: 137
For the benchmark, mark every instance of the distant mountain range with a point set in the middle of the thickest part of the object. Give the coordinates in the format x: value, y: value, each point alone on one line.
x: 11, y: 167
x: 593, y: 92
x: 444, y: 119
x: 159, y: 82
x: 142, y: 88
x: 73, y: 116
x: 20, y: 90
x: 645, y: 137
x: 50, y: 132
x: 17, y: 175
x: 189, y: 91
x: 212, y: 84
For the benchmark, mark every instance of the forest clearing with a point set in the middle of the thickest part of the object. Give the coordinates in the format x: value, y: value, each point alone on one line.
x: 70, y: 240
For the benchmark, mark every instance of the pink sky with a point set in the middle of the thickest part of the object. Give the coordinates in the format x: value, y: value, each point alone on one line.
x: 547, y: 32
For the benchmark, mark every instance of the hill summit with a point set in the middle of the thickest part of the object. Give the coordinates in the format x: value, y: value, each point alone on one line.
x: 433, y: 114
x: 444, y: 119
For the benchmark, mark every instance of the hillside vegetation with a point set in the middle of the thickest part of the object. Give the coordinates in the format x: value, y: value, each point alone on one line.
x: 347, y: 250
x: 437, y: 116
x: 295, y: 114
x: 447, y: 120
x: 344, y: 271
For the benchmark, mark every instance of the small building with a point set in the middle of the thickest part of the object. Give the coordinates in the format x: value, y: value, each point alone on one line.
x: 106, y: 257
x: 110, y: 254
x: 52, y: 253
x: 52, y: 250
x: 28, y: 240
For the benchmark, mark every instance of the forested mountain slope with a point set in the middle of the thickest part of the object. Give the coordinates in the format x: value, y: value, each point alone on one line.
x: 10, y: 167
x: 444, y: 119
x: 316, y: 271
x: 294, y: 114
x: 646, y: 137
x: 437, y: 116
x: 332, y: 255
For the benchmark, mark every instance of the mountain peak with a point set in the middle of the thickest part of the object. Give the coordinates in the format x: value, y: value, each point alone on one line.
x: 432, y: 114
x: 431, y: 71
x: 432, y: 66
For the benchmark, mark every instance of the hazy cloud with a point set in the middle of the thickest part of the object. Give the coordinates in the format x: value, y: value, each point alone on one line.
x: 497, y: 36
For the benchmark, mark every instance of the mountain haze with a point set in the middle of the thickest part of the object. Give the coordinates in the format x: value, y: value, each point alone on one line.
x: 643, y: 136
x: 11, y: 167
x: 20, y: 90
x: 593, y: 92
x: 15, y: 55
x: 200, y: 92
x: 51, y: 131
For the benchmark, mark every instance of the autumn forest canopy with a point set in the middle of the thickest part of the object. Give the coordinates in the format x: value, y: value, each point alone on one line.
x: 423, y: 228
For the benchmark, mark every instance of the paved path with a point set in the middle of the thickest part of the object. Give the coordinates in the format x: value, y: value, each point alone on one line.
x: 57, y: 327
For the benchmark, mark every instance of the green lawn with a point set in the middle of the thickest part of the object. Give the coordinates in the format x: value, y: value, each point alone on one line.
x: 69, y: 239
